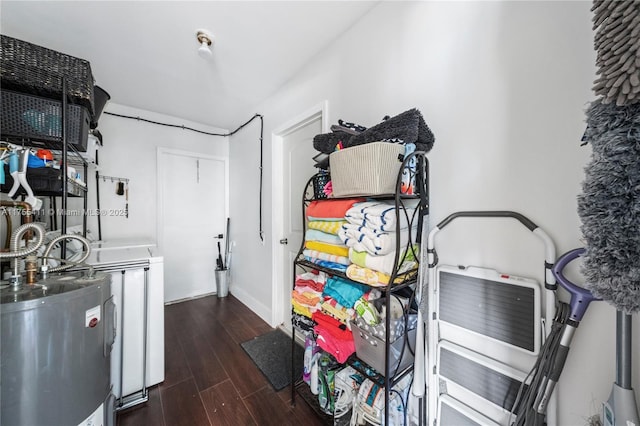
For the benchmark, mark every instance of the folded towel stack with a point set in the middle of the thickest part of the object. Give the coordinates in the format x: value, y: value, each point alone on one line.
x: 306, y: 297
x: 372, y: 238
x: 323, y: 246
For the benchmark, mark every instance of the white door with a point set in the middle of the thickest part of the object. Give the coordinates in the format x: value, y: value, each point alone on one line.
x: 193, y: 211
x: 298, y: 153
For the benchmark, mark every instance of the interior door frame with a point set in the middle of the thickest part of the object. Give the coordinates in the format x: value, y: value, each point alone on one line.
x: 161, y: 170
x: 320, y: 111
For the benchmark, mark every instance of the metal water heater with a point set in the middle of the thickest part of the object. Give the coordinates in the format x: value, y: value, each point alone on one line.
x: 55, y: 346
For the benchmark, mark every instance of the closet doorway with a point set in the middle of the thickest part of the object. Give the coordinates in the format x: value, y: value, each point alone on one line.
x: 192, y: 211
x: 293, y: 149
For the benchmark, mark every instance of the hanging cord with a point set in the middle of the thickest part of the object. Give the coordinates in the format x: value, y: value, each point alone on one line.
x: 183, y: 127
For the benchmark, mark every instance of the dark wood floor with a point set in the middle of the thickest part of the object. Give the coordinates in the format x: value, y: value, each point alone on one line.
x: 209, y: 379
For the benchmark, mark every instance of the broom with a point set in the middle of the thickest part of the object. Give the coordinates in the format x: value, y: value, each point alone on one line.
x: 609, y: 206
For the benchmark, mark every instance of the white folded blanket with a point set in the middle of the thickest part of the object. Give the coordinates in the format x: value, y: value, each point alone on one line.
x: 361, y: 238
x: 378, y: 215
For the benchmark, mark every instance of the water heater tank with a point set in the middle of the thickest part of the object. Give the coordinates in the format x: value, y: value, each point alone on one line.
x: 55, y: 346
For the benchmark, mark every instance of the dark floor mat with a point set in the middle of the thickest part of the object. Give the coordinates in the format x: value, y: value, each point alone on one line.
x: 271, y: 352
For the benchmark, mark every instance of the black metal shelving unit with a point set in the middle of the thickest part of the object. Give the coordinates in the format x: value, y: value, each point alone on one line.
x: 61, y: 144
x: 397, y: 281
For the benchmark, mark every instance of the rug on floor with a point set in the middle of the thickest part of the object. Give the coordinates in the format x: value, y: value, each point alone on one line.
x: 271, y: 352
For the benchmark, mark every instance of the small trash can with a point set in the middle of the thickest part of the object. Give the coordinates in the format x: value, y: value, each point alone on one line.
x: 222, y: 282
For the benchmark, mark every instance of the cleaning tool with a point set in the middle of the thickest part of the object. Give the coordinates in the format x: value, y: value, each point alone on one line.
x: 227, y: 251
x: 621, y: 408
x: 416, y: 401
x: 609, y: 206
x: 18, y: 169
x: 219, y: 263
x: 617, y: 42
x: 533, y: 400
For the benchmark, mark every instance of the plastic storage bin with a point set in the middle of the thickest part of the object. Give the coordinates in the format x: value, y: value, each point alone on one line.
x: 39, y: 119
x: 44, y: 181
x: 370, y: 343
x: 369, y: 169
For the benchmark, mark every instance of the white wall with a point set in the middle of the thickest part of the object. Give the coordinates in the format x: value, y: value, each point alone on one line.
x: 504, y: 86
x: 130, y: 151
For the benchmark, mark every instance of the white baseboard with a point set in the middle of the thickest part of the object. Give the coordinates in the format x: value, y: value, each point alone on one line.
x: 252, y: 303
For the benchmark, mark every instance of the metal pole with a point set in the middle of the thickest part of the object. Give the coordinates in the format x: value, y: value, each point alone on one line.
x: 63, y: 169
x: 98, y: 200
x: 623, y: 351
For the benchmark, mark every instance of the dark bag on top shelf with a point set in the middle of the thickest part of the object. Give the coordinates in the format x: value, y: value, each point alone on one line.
x: 409, y: 127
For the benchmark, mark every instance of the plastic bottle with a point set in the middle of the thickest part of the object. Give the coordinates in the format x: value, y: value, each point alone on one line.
x: 327, y: 386
x: 314, y: 375
x: 309, y: 347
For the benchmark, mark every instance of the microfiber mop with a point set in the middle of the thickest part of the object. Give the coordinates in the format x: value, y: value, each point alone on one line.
x: 617, y: 42
x: 609, y: 206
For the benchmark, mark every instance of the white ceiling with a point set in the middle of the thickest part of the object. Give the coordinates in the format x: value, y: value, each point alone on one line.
x: 144, y: 53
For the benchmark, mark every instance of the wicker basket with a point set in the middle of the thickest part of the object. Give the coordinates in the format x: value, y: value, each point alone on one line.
x: 369, y: 169
x: 33, y: 69
x: 38, y: 119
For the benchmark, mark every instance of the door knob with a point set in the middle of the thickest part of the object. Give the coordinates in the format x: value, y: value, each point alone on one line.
x: 284, y: 241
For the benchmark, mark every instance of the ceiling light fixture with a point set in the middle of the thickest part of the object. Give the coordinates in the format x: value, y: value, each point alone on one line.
x: 206, y: 40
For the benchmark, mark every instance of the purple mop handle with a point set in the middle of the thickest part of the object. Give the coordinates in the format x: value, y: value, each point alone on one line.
x: 580, y: 297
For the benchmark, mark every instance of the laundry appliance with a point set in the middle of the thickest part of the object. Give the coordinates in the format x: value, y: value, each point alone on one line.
x: 137, y: 275
x: 56, y: 339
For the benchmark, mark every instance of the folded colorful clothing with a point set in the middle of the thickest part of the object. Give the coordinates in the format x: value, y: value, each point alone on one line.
x: 327, y: 321
x: 306, y: 298
x: 327, y: 264
x: 315, y: 254
x: 341, y: 349
x: 330, y: 208
x: 303, y: 323
x: 371, y: 277
x: 310, y: 279
x: 336, y: 310
x: 328, y: 226
x: 301, y: 309
x: 338, y: 250
x: 325, y: 219
x: 345, y: 292
x: 407, y: 261
x: 323, y: 237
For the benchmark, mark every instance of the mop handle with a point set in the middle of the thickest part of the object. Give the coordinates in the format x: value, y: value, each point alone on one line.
x: 580, y: 297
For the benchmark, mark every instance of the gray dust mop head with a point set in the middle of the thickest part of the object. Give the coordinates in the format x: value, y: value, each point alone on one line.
x: 609, y: 206
x: 617, y: 41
